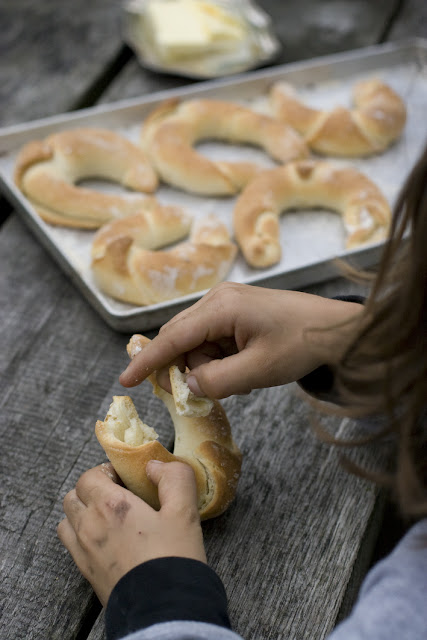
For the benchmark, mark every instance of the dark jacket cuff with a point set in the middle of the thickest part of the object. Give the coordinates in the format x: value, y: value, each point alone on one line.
x: 320, y: 382
x: 163, y: 590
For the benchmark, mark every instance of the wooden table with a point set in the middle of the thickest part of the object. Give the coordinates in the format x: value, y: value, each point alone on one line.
x: 295, y: 544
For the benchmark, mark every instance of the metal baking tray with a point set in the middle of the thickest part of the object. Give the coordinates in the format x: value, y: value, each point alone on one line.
x: 311, y: 240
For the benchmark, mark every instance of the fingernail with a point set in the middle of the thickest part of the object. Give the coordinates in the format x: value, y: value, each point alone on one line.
x: 194, y: 386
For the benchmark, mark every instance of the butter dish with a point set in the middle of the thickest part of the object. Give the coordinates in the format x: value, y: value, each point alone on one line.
x: 199, y: 39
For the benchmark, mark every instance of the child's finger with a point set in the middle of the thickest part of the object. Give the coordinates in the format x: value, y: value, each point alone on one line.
x: 101, y: 481
x: 73, y: 508
x: 67, y: 536
x: 206, y: 324
x: 235, y: 374
x: 176, y: 485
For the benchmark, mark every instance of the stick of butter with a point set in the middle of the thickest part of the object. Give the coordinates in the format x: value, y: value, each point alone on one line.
x: 186, y: 28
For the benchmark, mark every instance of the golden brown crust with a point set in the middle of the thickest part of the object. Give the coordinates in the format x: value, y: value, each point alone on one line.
x: 125, y: 457
x: 376, y: 120
x: 46, y: 172
x: 365, y: 211
x: 125, y: 270
x: 205, y: 443
x: 222, y: 466
x: 154, y: 227
x: 34, y: 152
x: 169, y: 133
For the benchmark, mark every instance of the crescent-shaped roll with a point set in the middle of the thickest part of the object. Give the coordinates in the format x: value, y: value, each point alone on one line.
x: 125, y: 270
x: 307, y: 184
x: 169, y: 133
x: 47, y: 172
x: 377, y: 119
x: 205, y: 443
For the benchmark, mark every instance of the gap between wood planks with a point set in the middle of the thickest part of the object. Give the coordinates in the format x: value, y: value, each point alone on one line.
x: 88, y: 620
x: 390, y: 22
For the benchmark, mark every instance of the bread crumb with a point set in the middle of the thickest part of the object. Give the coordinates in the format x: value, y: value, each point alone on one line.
x: 186, y: 403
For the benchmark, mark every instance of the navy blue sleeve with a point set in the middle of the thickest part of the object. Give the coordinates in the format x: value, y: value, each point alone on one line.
x: 320, y: 382
x: 163, y: 590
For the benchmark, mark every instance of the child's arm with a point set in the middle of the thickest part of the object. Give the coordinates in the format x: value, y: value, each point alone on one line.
x: 391, y: 602
x: 149, y: 566
x: 239, y: 337
x: 109, y: 531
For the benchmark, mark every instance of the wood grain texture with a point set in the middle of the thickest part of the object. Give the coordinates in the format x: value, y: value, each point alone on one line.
x: 308, y: 28
x: 410, y: 21
x: 51, y: 52
x: 60, y: 370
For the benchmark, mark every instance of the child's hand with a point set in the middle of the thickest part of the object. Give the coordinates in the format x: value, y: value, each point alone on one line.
x: 109, y: 531
x: 239, y: 337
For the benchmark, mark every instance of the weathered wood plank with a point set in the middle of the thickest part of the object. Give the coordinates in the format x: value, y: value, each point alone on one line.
x: 60, y: 368
x: 410, y: 21
x: 51, y: 52
x: 308, y: 28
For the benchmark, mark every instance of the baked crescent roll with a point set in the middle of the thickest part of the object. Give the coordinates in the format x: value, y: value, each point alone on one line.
x: 169, y: 133
x: 376, y: 120
x: 126, y: 270
x: 298, y: 185
x: 47, y: 172
x: 203, y: 442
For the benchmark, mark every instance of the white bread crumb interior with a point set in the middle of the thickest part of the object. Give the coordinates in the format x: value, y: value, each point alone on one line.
x: 125, y: 424
x: 186, y: 403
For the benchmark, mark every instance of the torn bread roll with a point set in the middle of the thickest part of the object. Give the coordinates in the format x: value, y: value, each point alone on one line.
x: 203, y: 442
x: 47, y: 172
x: 170, y: 131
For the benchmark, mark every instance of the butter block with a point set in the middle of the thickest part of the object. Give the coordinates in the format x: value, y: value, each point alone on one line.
x: 222, y: 26
x: 186, y: 28
x: 176, y: 28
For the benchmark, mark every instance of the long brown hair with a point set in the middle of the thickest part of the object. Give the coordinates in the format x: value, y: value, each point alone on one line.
x: 385, y: 368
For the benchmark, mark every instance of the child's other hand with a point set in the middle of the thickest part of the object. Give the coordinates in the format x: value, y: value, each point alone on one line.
x: 240, y: 337
x: 108, y: 530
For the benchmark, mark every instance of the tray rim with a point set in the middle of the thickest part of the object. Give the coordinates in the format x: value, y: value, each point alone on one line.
x: 374, y: 51
x: 155, y: 315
